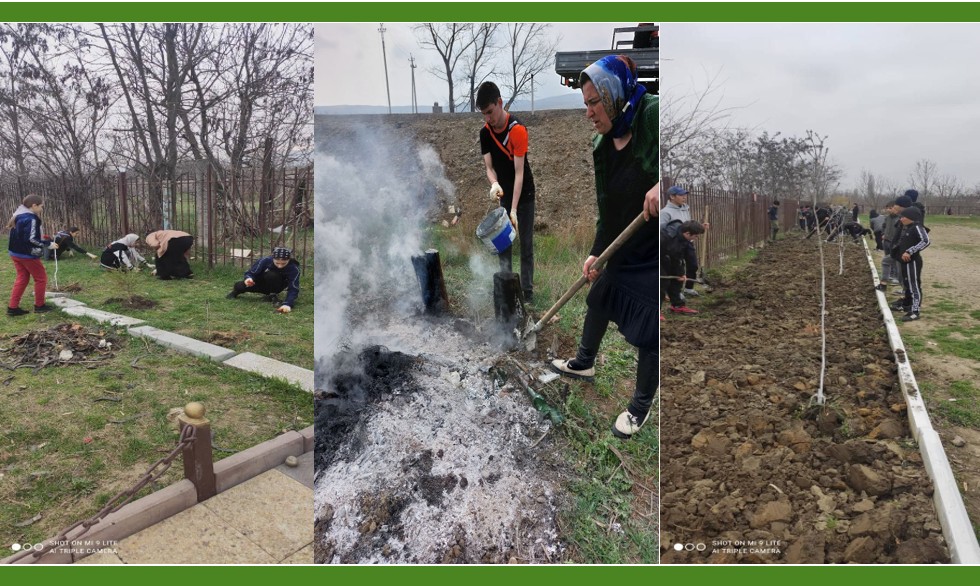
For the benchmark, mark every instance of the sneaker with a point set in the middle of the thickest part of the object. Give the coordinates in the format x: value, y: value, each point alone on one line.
x: 563, y: 368
x: 881, y: 287
x: 231, y: 295
x: 899, y: 306
x: 626, y: 425
x: 910, y: 316
x: 42, y: 308
x: 681, y: 295
x: 898, y: 291
x: 15, y: 311
x: 683, y: 310
x: 691, y: 293
x: 894, y: 282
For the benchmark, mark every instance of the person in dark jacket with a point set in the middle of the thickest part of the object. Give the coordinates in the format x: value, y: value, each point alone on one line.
x: 877, y: 222
x: 673, y: 244
x: 855, y: 211
x: 774, y: 219
x: 907, y: 250
x: 173, y: 247
x: 627, y: 179
x: 269, y: 276
x: 26, y: 247
x: 65, y: 239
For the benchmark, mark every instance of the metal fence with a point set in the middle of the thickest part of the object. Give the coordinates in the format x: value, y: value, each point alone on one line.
x: 235, y: 216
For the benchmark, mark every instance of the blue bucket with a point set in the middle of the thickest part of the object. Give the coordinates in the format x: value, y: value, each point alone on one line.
x: 496, y: 231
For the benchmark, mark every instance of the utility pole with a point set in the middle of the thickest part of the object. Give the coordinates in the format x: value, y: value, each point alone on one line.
x: 415, y: 101
x: 382, y: 29
x: 532, y: 93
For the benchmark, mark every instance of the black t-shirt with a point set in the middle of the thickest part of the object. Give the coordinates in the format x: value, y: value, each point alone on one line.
x: 502, y: 148
x: 626, y: 188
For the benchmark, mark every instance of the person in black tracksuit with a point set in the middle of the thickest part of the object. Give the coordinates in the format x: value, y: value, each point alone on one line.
x: 65, y: 239
x: 907, y: 250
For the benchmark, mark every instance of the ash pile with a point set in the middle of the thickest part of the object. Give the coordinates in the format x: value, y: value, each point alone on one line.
x: 427, y: 457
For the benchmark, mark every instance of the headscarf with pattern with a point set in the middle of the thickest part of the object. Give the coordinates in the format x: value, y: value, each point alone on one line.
x: 618, y: 89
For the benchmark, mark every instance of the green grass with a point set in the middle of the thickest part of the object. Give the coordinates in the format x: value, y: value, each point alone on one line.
x: 938, y: 220
x: 960, y: 341
x: 47, y: 467
x: 197, y: 307
x: 611, y: 521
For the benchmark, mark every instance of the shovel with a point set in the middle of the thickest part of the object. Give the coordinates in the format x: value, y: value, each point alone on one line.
x: 530, y: 336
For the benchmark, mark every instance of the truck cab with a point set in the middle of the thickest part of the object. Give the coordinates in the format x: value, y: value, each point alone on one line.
x: 641, y: 43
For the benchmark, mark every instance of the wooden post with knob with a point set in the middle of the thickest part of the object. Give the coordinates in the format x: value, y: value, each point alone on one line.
x: 198, y: 461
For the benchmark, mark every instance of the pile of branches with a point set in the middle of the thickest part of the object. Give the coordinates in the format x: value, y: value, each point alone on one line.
x: 61, y: 345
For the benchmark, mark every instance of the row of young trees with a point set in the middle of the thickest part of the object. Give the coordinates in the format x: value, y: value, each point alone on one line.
x: 471, y: 53
x: 80, y: 100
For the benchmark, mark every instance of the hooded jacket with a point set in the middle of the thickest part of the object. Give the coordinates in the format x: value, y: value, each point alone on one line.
x: 25, y: 236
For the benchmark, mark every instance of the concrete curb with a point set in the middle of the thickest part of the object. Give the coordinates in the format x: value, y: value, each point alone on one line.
x: 957, y: 529
x: 271, y: 368
x: 183, y: 343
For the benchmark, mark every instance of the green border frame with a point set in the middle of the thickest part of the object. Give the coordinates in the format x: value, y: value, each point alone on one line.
x: 546, y: 12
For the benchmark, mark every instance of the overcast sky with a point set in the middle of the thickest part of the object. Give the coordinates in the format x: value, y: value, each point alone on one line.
x: 350, y: 68
x: 887, y: 95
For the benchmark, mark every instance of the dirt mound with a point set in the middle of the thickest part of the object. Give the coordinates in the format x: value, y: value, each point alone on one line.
x: 752, y: 472
x: 133, y: 302
x: 560, y: 154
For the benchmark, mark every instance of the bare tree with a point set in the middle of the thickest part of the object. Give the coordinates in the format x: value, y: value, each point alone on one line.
x: 531, y: 51
x: 482, y: 49
x: 822, y: 175
x: 451, y: 40
x: 923, y: 178
x: 16, y: 97
x: 948, y: 187
x: 686, y: 124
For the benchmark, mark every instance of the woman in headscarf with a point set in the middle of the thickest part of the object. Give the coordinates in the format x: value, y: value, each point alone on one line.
x: 173, y: 248
x: 25, y: 248
x: 627, y: 178
x: 121, y: 254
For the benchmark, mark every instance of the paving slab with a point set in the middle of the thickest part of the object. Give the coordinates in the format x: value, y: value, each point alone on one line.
x: 102, y: 316
x: 272, y: 368
x: 271, y: 510
x: 54, y: 294
x: 195, y: 536
x: 64, y: 302
x: 302, y: 472
x: 303, y: 556
x: 183, y: 343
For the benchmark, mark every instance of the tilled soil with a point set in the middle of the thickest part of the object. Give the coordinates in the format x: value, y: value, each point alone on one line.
x: 752, y: 472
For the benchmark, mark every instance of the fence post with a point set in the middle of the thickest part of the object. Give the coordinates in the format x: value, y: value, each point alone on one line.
x: 122, y: 201
x: 198, y: 461
x: 210, y: 220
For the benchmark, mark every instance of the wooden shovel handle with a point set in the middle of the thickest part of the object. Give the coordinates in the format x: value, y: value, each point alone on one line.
x: 597, y: 265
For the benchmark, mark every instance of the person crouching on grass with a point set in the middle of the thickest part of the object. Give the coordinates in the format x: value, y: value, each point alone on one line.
x: 26, y: 247
x: 269, y: 276
x: 173, y: 247
x: 121, y: 254
x: 913, y: 239
x: 627, y: 180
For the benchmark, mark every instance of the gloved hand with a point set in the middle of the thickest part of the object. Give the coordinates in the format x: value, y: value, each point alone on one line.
x: 91, y: 256
x: 249, y: 282
x: 53, y: 246
x: 513, y: 220
x: 284, y: 309
x: 496, y: 190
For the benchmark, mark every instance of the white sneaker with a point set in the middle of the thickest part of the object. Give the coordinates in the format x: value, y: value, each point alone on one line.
x: 691, y: 293
x: 561, y: 367
x: 627, y: 424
